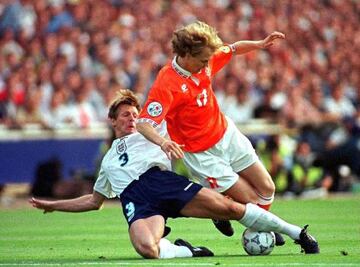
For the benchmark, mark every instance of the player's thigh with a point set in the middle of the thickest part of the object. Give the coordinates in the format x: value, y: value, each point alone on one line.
x: 211, y: 169
x: 238, y: 149
x: 258, y: 177
x: 210, y: 204
x: 146, y: 232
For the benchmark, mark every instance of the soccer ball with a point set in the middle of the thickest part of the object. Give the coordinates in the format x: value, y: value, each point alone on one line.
x: 258, y: 243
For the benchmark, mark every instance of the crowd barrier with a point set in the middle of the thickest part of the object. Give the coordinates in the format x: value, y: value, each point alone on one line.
x: 21, y: 151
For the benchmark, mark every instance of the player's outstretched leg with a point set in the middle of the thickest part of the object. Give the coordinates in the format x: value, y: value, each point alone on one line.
x: 308, y: 243
x: 196, y: 251
x: 224, y: 227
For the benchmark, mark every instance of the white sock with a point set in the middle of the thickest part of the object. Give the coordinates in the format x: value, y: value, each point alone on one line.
x: 259, y: 219
x: 265, y: 200
x: 169, y: 250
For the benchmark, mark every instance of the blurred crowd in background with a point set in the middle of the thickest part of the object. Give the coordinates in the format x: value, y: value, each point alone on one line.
x: 62, y: 61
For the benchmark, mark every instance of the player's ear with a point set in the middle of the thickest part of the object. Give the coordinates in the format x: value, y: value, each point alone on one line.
x: 113, y: 122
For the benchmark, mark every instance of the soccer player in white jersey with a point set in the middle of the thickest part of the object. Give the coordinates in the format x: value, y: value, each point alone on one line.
x: 138, y: 172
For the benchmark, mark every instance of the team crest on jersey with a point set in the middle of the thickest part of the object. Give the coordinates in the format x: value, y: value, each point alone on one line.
x: 225, y: 49
x: 154, y: 109
x: 121, y: 147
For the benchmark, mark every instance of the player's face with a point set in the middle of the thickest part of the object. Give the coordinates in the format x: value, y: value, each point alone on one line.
x: 125, y: 122
x: 195, y: 64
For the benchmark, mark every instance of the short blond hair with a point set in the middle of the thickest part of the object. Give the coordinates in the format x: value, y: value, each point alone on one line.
x: 193, y: 38
x: 123, y: 97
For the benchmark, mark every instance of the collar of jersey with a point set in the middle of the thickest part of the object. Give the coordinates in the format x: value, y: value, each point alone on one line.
x: 179, y: 70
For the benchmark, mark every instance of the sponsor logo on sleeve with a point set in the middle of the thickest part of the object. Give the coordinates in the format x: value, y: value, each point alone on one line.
x: 154, y: 109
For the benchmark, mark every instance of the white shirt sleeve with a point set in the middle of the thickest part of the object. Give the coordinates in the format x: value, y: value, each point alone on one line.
x: 103, y: 186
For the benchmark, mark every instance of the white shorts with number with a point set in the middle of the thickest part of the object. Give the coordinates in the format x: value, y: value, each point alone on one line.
x: 218, y: 166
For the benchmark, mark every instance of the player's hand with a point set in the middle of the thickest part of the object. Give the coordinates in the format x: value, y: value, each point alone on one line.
x: 172, y: 149
x: 269, y: 40
x: 41, y: 204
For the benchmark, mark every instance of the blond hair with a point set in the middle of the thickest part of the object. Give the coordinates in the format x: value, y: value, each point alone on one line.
x: 193, y: 38
x: 123, y: 97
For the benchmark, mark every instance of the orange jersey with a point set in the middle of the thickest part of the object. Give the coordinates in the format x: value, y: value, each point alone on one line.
x: 188, y: 104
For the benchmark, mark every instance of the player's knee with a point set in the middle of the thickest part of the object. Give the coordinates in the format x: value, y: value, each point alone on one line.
x: 148, y: 250
x: 270, y: 187
x: 267, y: 188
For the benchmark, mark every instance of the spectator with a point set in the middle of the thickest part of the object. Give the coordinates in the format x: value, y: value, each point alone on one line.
x: 338, y: 104
x: 11, y: 16
x: 59, y: 113
x: 30, y: 113
x: 60, y: 17
x: 126, y: 41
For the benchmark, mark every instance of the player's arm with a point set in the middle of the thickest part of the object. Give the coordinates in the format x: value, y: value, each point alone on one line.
x: 171, y: 148
x: 242, y: 47
x: 149, y: 132
x: 84, y: 203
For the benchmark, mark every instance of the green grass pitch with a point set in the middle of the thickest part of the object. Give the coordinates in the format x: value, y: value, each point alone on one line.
x: 99, y: 238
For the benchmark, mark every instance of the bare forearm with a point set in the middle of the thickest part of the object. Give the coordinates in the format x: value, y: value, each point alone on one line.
x: 242, y: 47
x: 80, y: 204
x: 83, y: 203
x: 150, y: 133
x: 171, y: 148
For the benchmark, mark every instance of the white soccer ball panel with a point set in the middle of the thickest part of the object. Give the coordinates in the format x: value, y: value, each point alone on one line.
x: 258, y: 243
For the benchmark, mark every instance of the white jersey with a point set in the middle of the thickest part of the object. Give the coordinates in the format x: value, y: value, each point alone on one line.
x: 128, y: 158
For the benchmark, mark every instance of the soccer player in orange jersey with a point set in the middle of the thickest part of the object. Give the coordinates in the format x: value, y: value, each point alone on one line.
x: 212, y: 147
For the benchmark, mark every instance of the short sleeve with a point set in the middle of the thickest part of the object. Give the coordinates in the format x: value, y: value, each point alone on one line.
x: 103, y: 185
x: 220, y: 58
x: 157, y: 104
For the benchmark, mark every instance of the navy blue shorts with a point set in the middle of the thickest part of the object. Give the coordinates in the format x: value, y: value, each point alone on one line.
x: 157, y: 192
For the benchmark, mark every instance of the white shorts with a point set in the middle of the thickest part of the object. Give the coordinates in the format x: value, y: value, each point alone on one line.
x: 218, y: 166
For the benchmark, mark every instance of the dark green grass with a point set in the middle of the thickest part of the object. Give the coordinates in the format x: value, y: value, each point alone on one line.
x: 99, y: 238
